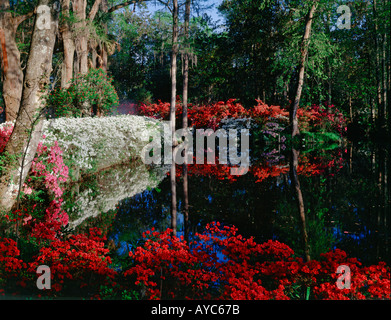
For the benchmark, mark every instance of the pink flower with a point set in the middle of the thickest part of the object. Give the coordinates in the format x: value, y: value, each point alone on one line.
x: 27, y: 219
x: 27, y: 190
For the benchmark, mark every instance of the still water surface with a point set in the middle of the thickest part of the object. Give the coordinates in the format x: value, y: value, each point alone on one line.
x: 345, y: 190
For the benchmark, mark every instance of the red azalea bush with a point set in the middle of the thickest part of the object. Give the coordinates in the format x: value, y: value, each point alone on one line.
x: 210, y: 116
x: 263, y: 113
x: 79, y: 261
x: 313, y: 118
x: 219, y: 264
x: 10, y: 265
x: 330, y: 118
x: 326, y: 118
x: 225, y: 265
x: 167, y: 268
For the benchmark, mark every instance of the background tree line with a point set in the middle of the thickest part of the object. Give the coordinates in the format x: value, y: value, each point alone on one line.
x: 254, y: 53
x: 284, y: 52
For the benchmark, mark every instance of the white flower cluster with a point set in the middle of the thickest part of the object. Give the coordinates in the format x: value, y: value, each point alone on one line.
x: 98, y: 143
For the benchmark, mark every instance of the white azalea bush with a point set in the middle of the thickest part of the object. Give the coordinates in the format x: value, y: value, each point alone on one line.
x: 91, y: 144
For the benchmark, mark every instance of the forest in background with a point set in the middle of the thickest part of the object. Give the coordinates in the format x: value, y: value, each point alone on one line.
x: 253, y: 53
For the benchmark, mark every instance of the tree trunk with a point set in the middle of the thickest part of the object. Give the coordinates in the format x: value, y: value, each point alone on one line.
x: 69, y: 48
x: 186, y: 65
x: 184, y: 118
x: 81, y: 58
x: 27, y: 129
x: 174, y: 55
x: 103, y: 49
x: 380, y: 114
x: 300, y: 202
x: 301, y: 69
x: 12, y: 75
x: 384, y: 78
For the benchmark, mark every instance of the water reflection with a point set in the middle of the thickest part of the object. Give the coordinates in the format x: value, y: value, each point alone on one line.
x: 300, y: 201
x: 345, y: 202
x: 102, y: 191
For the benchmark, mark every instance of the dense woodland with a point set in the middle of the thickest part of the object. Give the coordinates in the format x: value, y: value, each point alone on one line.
x: 252, y: 53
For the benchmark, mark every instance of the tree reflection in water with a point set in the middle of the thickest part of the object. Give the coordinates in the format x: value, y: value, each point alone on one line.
x: 345, y: 202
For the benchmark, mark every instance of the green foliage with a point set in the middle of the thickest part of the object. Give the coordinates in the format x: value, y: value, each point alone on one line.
x: 5, y: 160
x: 327, y: 138
x: 94, y: 89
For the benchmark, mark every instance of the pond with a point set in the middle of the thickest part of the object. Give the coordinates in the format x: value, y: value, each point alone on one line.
x: 345, y: 192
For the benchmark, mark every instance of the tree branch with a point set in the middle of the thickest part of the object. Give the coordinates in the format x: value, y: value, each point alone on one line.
x: 19, y: 19
x: 124, y: 4
x: 166, y: 4
x: 94, y: 10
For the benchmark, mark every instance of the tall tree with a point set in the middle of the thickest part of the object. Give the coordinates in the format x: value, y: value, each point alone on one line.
x: 81, y: 36
x: 174, y: 9
x: 27, y: 130
x: 174, y: 55
x: 186, y: 64
x: 184, y: 117
x: 68, y: 44
x: 12, y: 74
x: 301, y: 69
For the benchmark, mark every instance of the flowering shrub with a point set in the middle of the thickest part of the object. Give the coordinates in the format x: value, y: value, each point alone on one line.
x: 5, y: 133
x: 218, y: 264
x: 49, y: 164
x: 93, y: 89
x: 44, y: 186
x: 325, y: 118
x: 211, y: 116
x: 115, y: 139
x: 48, y: 172
x: 10, y: 266
x: 75, y: 263
x: 273, y: 119
x: 167, y: 258
x: 166, y: 267
x: 81, y: 259
x: 263, y: 113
